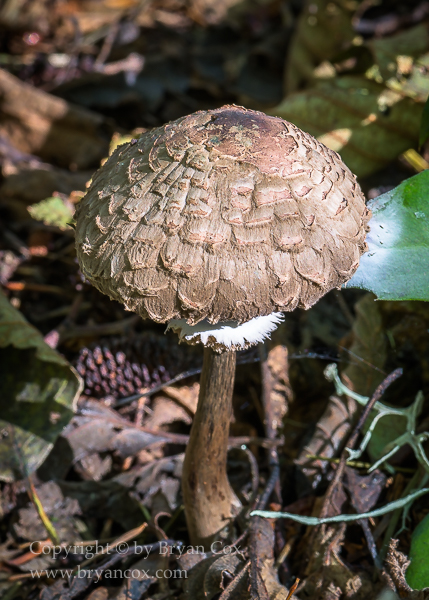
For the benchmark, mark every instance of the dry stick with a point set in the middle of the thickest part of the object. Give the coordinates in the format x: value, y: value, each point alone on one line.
x: 209, y: 501
x: 371, y: 543
x: 157, y: 388
x: 184, y: 375
x: 107, y: 45
x: 28, y: 286
x: 257, y: 585
x: 115, y: 328
x: 123, y: 539
x: 273, y: 482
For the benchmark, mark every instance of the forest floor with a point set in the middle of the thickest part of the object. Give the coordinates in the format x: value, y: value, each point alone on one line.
x: 77, y: 78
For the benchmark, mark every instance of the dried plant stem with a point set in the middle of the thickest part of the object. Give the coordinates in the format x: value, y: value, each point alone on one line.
x: 271, y: 425
x: 42, y: 514
x: 209, y: 500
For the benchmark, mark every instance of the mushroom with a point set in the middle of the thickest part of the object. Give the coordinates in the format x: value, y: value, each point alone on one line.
x: 216, y: 223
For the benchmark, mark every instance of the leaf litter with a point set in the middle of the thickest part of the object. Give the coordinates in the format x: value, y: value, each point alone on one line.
x: 76, y: 80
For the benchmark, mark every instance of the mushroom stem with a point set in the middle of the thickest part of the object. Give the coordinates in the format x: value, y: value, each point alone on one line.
x: 209, y: 501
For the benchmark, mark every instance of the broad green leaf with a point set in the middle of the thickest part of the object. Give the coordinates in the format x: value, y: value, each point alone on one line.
x: 424, y: 126
x: 368, y: 124
x: 396, y: 265
x: 38, y: 394
x: 52, y: 211
x: 417, y: 574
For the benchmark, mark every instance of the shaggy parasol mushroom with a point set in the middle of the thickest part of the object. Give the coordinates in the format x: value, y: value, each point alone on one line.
x: 216, y: 223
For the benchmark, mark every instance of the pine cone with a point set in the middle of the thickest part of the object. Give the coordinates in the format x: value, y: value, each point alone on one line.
x: 120, y: 367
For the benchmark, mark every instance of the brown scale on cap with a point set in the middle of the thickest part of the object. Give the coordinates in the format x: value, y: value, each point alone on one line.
x: 225, y: 214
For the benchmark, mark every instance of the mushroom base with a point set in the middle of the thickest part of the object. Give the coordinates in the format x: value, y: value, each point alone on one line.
x: 228, y: 335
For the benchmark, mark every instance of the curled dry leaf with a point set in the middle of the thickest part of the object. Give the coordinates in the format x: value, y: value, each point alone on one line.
x: 397, y: 563
x: 328, y: 577
x: 211, y: 574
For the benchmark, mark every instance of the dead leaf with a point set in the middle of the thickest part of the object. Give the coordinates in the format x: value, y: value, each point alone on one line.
x: 330, y: 578
x: 364, y: 489
x: 211, y: 575
x: 156, y: 484
x: 165, y: 412
x: 281, y: 391
x: 185, y: 396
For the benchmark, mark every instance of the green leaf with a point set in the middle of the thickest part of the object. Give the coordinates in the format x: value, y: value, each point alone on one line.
x: 38, y: 394
x: 53, y: 211
x: 417, y: 574
x: 397, y: 262
x: 424, y: 125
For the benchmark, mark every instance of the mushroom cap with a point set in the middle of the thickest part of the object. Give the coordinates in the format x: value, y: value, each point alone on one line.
x: 223, y: 215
